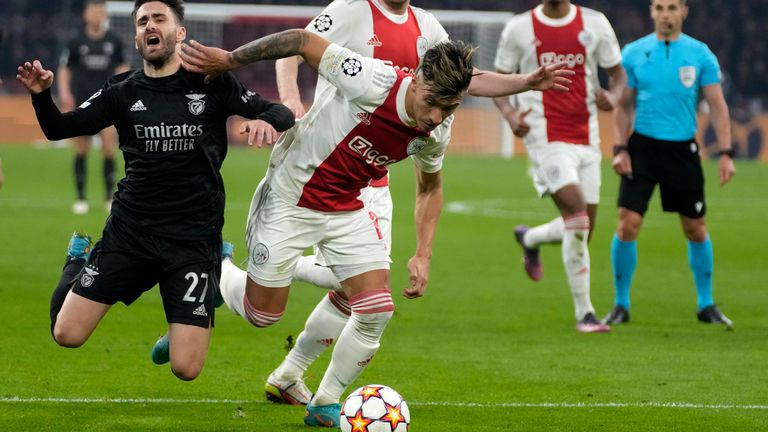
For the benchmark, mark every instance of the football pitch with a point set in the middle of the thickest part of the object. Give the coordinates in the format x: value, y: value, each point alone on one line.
x: 485, y: 350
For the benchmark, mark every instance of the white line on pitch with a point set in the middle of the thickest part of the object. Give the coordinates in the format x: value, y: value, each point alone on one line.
x: 684, y: 405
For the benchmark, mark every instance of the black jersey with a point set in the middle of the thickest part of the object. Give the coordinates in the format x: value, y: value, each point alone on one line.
x: 92, y: 62
x: 173, y: 136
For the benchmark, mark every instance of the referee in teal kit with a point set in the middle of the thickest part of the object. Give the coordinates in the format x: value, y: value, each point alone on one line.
x: 665, y: 71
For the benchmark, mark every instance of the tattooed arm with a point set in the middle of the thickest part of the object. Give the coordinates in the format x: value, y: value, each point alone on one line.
x: 212, y: 61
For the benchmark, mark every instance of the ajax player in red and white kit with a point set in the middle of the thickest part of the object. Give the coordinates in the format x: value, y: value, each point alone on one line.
x: 389, y: 30
x: 376, y: 115
x: 398, y: 34
x: 561, y: 131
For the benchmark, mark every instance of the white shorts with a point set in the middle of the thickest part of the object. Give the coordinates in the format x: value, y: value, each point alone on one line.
x: 278, y: 232
x: 379, y: 201
x: 556, y: 165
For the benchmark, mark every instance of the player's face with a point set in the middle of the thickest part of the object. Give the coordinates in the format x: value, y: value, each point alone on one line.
x: 555, y: 3
x: 668, y: 16
x: 427, y: 112
x: 157, y: 33
x: 95, y: 14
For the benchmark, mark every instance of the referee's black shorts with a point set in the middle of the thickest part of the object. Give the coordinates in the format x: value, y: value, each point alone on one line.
x: 675, y: 166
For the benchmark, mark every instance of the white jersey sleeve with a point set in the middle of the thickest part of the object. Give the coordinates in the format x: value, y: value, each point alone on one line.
x: 509, y: 53
x: 608, y: 49
x: 336, y: 22
x: 355, y: 76
x: 430, y: 158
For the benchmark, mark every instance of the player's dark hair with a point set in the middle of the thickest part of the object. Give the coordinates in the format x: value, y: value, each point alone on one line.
x: 447, y: 70
x: 177, y: 6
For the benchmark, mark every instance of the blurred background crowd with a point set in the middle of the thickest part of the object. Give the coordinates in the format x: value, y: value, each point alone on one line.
x: 731, y: 28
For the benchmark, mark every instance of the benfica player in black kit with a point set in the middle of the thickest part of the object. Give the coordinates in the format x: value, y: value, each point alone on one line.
x: 168, y: 212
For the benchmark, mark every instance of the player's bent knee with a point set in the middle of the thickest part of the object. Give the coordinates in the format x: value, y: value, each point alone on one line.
x: 187, y: 371
x: 258, y: 317
x: 67, y: 338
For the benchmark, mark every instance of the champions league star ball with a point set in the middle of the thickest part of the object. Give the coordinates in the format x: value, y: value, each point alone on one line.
x: 374, y: 408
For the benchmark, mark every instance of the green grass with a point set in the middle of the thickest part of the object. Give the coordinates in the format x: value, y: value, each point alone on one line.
x: 484, y: 350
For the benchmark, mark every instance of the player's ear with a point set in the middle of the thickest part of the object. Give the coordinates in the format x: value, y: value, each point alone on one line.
x: 181, y: 34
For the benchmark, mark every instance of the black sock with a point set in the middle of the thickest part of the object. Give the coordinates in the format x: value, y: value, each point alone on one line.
x: 71, y: 269
x: 109, y: 176
x: 80, y: 176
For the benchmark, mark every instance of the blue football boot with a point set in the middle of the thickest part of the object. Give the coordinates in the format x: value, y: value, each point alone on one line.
x: 161, y: 352
x: 323, y: 415
x: 79, y: 245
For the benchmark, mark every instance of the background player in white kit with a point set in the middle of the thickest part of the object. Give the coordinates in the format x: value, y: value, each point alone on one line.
x: 393, y: 31
x: 561, y: 132
x: 377, y: 116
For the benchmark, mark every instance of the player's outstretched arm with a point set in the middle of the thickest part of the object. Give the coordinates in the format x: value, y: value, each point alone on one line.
x: 211, y: 61
x: 493, y: 84
x: 54, y: 124
x: 429, y: 204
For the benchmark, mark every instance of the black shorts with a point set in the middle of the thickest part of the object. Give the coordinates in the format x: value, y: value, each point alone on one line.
x: 126, y: 262
x: 675, y: 166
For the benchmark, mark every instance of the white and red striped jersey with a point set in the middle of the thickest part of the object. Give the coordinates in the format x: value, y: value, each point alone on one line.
x: 584, y: 39
x: 366, y: 27
x: 351, y: 135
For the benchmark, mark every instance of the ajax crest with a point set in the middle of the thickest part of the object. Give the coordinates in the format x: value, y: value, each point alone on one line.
x: 259, y: 254
x: 416, y: 145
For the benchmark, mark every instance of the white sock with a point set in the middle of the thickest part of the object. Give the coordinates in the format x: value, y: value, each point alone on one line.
x: 308, y: 271
x: 322, y: 328
x: 232, y: 286
x: 576, y: 260
x: 359, y: 341
x: 550, y: 232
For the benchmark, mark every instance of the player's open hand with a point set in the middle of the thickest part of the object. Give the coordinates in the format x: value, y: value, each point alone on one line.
x: 418, y: 268
x: 259, y: 132
x: 34, y: 77
x: 726, y: 169
x: 211, y: 61
x: 552, y: 77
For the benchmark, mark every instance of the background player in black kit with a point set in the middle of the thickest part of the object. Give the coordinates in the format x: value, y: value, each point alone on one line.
x: 168, y: 211
x: 88, y: 61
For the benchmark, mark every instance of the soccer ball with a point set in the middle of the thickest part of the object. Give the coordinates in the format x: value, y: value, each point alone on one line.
x: 375, y: 408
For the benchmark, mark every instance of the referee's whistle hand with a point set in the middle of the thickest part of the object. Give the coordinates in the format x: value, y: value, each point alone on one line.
x: 622, y: 164
x: 726, y: 169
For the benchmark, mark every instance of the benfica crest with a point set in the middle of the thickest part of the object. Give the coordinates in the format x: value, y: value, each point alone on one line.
x: 196, y: 103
